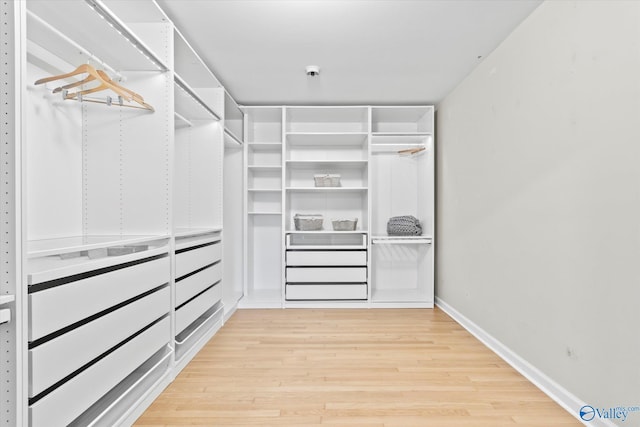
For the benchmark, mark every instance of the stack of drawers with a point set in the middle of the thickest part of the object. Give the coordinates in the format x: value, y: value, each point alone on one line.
x: 326, y: 275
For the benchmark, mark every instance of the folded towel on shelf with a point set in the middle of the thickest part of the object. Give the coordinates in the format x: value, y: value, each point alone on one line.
x: 405, y: 225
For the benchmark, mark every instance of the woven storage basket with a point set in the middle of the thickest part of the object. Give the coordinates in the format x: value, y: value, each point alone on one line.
x: 307, y: 222
x: 327, y: 180
x: 344, y: 224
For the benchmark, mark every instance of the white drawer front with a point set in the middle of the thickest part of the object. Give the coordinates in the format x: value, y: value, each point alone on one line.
x: 192, y: 285
x: 54, y: 308
x: 326, y: 274
x: 65, y: 403
x: 54, y: 360
x: 327, y: 258
x: 189, y: 312
x: 193, y: 259
x: 332, y: 291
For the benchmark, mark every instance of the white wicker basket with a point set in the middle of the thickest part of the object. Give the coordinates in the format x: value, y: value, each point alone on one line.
x: 344, y: 224
x: 327, y: 180
x: 307, y: 222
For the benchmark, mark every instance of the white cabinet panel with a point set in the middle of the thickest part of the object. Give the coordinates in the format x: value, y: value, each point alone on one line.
x: 54, y: 360
x: 68, y: 401
x: 196, y: 283
x: 189, y: 312
x: 304, y: 258
x: 193, y: 259
x: 54, y: 308
x: 334, y: 291
x: 326, y: 274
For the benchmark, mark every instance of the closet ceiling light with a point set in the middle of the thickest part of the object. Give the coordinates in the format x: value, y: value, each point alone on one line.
x: 312, y: 70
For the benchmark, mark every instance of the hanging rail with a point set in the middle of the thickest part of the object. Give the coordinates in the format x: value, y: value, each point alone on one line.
x: 122, y: 28
x: 185, y: 87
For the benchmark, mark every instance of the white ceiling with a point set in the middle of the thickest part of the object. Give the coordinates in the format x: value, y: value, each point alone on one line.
x: 369, y: 52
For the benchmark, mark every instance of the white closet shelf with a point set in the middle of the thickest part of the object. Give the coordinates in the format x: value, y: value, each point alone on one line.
x: 326, y: 232
x: 231, y: 138
x: 189, y: 104
x: 265, y: 167
x: 6, y: 299
x: 112, y: 42
x: 189, y: 232
x: 62, y: 245
x: 264, y: 190
x: 265, y: 146
x: 189, y: 64
x: 264, y: 213
x: 326, y: 189
x: 327, y: 138
x: 313, y: 164
x: 401, y: 240
x: 401, y: 134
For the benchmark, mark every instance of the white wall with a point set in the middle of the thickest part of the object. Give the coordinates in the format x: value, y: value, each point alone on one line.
x: 539, y: 197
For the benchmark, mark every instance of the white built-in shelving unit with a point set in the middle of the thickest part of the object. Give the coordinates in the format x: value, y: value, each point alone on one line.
x: 326, y: 265
x: 198, y: 309
x: 402, y: 184
x: 384, y: 157
x: 263, y: 207
x: 120, y: 232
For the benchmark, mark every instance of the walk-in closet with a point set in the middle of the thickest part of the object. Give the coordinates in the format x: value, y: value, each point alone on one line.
x: 187, y: 194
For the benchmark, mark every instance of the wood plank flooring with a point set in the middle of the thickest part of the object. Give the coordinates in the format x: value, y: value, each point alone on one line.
x: 355, y: 368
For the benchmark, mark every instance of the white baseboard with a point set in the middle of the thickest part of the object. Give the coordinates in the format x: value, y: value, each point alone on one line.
x: 555, y: 391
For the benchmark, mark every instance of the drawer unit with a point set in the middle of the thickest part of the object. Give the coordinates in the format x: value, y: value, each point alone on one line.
x: 333, y: 291
x: 193, y: 309
x: 327, y: 258
x: 52, y: 361
x: 63, y: 304
x: 68, y: 401
x: 326, y: 274
x: 194, y: 258
x: 192, y: 285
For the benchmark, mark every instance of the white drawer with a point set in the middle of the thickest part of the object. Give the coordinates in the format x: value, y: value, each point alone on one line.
x: 327, y: 258
x: 189, y: 312
x: 196, y: 283
x: 333, y: 291
x: 326, y: 274
x: 65, y: 403
x: 188, y: 260
x: 54, y: 308
x: 55, y: 359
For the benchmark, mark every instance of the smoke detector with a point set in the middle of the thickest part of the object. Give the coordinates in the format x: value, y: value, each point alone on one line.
x: 312, y: 70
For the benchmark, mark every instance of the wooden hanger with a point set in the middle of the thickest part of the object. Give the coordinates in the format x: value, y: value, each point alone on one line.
x: 412, y: 151
x: 91, y: 78
x: 105, y: 82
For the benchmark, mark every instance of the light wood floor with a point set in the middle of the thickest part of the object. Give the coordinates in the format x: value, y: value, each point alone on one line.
x: 351, y: 368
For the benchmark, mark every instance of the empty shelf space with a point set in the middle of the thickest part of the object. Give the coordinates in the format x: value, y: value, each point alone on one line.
x: 189, y: 104
x: 264, y: 167
x: 264, y: 213
x: 327, y: 138
x: 265, y: 146
x: 265, y: 190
